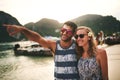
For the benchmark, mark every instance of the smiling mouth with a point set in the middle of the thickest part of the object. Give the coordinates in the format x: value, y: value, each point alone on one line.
x: 80, y: 41
x: 64, y: 36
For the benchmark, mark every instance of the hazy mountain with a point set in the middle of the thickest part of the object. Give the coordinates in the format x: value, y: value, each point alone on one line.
x: 50, y: 27
x: 46, y: 27
x: 108, y: 24
x: 6, y: 18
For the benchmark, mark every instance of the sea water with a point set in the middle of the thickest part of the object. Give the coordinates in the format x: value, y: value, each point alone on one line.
x: 24, y: 67
x: 42, y: 68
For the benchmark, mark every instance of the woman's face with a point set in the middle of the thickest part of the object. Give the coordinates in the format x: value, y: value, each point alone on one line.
x: 82, y: 37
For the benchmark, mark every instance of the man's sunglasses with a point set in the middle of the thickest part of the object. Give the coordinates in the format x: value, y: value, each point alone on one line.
x: 80, y: 36
x: 67, y: 31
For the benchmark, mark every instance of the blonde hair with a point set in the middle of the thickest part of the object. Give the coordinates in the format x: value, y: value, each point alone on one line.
x: 92, y: 45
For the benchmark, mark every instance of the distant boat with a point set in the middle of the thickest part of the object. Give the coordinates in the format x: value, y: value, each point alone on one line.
x: 111, y: 40
x: 32, y: 50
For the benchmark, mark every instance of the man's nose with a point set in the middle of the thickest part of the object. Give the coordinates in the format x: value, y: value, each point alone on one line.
x: 65, y: 32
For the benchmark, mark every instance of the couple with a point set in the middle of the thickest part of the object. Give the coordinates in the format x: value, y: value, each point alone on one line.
x: 77, y: 59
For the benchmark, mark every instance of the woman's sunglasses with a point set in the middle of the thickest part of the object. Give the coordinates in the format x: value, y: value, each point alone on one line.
x: 80, y: 36
x: 67, y: 31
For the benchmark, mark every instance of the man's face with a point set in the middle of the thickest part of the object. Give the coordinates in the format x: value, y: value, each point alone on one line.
x: 66, y: 33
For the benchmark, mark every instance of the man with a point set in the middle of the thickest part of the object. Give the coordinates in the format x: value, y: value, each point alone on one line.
x: 63, y: 50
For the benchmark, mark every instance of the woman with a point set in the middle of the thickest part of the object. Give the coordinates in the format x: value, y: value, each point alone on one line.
x: 92, y: 63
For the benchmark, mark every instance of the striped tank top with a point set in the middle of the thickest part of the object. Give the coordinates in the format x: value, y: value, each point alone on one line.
x: 65, y: 63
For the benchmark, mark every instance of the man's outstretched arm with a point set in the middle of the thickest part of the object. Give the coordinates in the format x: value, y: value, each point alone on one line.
x: 31, y: 35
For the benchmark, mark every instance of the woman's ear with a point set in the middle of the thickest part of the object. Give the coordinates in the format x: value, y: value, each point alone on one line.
x: 89, y: 38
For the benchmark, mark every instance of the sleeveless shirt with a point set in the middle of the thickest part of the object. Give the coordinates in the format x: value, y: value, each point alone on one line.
x: 65, y: 63
x: 89, y: 69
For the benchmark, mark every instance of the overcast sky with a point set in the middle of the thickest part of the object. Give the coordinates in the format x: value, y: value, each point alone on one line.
x: 61, y: 10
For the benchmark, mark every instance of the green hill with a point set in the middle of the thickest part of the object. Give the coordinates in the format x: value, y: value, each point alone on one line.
x: 46, y: 27
x: 108, y: 24
x: 50, y: 27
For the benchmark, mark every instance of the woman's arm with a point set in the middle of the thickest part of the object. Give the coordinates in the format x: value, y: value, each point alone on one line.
x: 103, y: 63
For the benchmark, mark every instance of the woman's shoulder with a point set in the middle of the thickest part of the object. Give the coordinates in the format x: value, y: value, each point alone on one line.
x: 101, y: 52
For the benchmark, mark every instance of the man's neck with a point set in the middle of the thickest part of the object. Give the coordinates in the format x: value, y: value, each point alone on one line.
x: 65, y: 44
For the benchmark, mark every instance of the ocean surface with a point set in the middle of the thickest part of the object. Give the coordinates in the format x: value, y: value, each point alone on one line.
x: 42, y: 68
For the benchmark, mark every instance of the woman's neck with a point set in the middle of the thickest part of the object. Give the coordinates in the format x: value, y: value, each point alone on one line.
x: 85, y: 53
x: 86, y: 47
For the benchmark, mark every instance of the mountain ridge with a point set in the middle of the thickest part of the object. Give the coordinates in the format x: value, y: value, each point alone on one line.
x: 51, y: 27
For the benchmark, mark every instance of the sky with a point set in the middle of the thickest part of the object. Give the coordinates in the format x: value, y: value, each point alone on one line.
x: 61, y: 10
